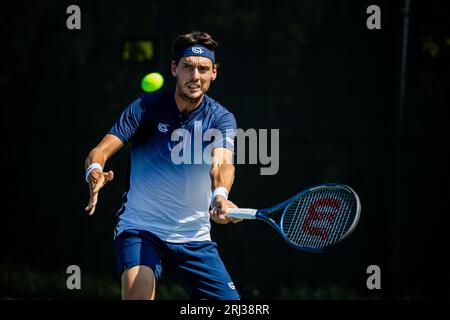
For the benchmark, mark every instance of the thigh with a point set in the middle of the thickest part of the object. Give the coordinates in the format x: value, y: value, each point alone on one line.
x: 138, y: 256
x: 202, y: 271
x: 138, y: 283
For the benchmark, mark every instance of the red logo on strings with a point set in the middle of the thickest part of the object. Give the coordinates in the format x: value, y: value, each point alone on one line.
x: 313, y: 215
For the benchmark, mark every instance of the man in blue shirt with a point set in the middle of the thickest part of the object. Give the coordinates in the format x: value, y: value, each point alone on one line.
x: 164, y: 221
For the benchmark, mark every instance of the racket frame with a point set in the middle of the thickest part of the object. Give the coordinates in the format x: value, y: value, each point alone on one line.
x: 261, y: 214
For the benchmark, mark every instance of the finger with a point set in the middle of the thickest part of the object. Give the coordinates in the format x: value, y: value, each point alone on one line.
x: 223, y: 209
x: 95, y: 174
x: 92, y: 181
x: 220, y: 220
x: 89, y: 205
x: 220, y: 213
x: 94, y: 199
x: 217, y: 217
x: 92, y: 211
x: 109, y: 176
x: 92, y: 203
x: 222, y: 217
x: 88, y: 209
x: 99, y: 184
x: 236, y: 220
x: 214, y: 213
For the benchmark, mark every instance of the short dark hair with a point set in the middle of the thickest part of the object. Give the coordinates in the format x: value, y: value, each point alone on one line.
x: 187, y: 40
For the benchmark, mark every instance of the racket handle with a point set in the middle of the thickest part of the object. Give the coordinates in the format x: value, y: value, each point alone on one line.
x: 241, y: 213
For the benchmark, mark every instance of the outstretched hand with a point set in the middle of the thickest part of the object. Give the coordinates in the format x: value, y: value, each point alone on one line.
x: 97, y: 180
x: 218, y: 211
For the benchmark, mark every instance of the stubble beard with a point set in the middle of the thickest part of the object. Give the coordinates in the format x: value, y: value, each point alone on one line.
x: 186, y: 97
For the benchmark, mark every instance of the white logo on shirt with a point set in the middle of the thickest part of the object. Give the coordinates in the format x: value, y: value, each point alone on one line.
x: 163, y: 127
x: 197, y: 50
x: 231, y: 285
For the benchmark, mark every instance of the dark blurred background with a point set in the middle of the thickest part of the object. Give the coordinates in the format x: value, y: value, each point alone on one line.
x: 309, y: 68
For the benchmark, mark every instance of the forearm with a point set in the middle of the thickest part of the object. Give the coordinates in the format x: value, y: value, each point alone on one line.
x: 105, y: 149
x: 96, y: 155
x: 222, y: 175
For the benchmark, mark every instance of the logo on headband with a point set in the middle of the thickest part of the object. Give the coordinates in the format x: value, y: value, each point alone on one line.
x: 197, y: 50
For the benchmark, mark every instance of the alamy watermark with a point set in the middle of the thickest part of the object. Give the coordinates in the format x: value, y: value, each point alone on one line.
x: 373, y: 22
x: 74, y: 20
x: 74, y: 279
x: 197, y: 148
x: 374, y: 280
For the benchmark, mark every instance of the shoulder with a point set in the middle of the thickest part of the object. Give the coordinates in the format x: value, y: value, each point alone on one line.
x: 220, y: 114
x: 217, y: 109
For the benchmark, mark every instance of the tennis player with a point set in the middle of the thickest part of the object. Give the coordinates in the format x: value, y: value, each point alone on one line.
x: 164, y: 221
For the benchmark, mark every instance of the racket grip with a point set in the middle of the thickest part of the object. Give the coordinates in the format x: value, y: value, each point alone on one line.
x: 241, y: 213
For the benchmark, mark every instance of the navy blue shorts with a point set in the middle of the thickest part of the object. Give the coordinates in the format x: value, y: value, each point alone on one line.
x: 195, y: 265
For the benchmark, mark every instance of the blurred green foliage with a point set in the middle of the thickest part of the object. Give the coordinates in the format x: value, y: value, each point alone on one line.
x: 138, y: 51
x: 22, y: 282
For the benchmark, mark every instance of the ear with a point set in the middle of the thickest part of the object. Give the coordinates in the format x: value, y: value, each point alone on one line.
x: 173, y: 68
x: 214, y: 72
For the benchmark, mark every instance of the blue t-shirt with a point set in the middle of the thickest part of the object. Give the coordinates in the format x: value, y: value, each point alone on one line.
x: 169, y: 184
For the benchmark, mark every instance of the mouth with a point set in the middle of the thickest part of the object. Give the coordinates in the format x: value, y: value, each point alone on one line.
x: 193, y: 87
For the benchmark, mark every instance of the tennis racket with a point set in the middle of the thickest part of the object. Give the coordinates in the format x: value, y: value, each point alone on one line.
x: 315, y: 220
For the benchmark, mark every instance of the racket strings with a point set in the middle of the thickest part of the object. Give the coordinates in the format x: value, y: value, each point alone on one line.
x: 302, y: 229
x: 342, y: 214
x: 338, y: 227
x: 320, y: 217
x: 349, y: 207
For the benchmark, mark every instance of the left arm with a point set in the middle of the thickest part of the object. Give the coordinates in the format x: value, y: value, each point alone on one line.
x: 222, y: 176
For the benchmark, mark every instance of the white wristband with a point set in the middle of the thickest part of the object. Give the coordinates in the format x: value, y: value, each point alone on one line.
x: 220, y: 191
x: 93, y: 166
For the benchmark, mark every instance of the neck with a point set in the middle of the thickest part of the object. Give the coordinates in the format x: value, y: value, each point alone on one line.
x: 185, y: 104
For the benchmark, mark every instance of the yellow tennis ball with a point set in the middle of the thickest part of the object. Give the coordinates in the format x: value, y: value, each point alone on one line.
x: 152, y: 82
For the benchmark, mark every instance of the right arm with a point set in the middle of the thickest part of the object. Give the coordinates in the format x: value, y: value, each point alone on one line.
x: 122, y: 131
x: 97, y: 179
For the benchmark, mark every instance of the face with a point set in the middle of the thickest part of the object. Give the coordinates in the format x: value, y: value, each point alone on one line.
x: 194, y: 76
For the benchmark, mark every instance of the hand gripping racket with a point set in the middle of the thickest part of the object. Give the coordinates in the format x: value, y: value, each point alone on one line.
x: 314, y: 220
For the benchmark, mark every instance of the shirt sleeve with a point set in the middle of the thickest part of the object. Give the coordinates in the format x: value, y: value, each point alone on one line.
x: 129, y: 121
x: 226, y: 124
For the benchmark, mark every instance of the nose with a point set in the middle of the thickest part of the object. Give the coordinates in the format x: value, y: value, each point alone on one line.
x: 195, y: 73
